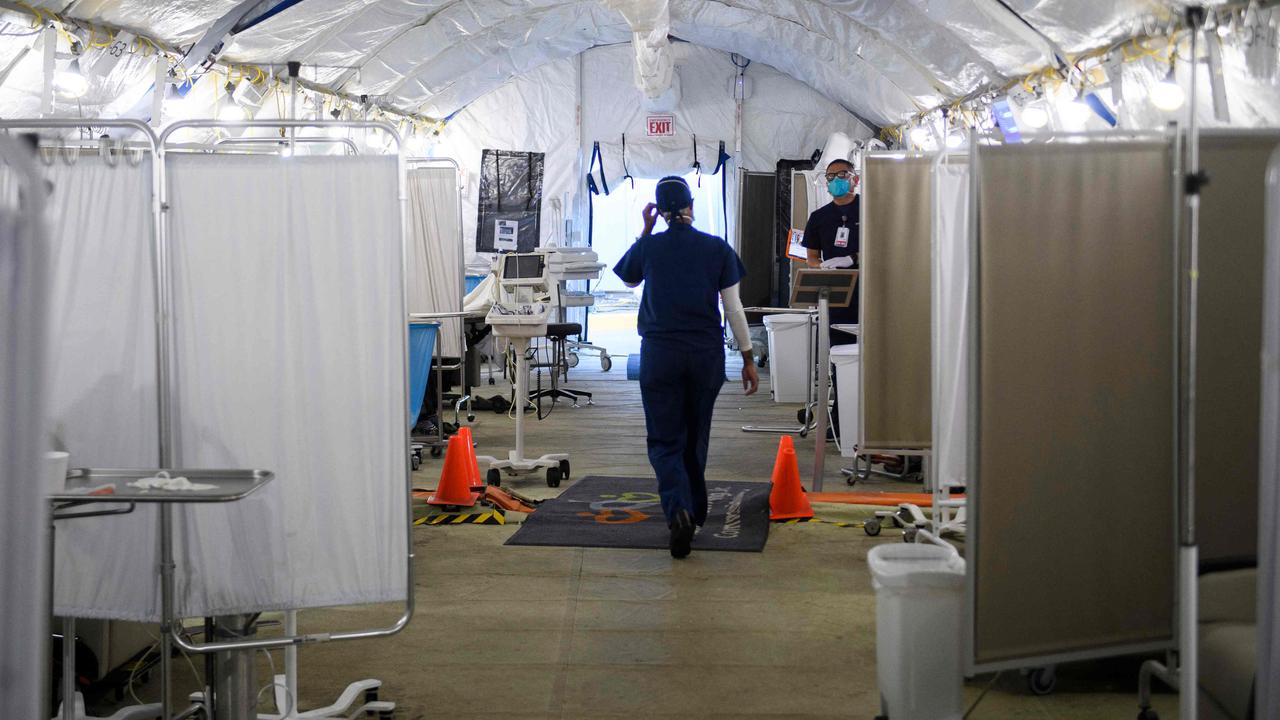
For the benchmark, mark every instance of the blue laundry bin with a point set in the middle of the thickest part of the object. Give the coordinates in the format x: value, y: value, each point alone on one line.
x: 422, y: 345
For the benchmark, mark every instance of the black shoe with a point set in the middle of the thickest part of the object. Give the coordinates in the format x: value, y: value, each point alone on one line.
x: 681, y: 535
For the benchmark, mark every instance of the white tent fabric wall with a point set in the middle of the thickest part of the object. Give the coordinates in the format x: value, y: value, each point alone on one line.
x: 1268, y: 671
x: 783, y: 118
x: 545, y: 99
x: 289, y: 343
x: 435, y: 249
x: 102, y: 375
x: 24, y: 289
x: 951, y: 320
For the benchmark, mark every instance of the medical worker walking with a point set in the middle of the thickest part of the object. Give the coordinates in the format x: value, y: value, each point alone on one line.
x: 685, y: 273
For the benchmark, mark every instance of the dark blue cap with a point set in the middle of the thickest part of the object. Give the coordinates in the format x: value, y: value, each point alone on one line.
x: 673, y: 194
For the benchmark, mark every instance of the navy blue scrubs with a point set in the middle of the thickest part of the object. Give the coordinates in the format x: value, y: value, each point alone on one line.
x: 681, y: 354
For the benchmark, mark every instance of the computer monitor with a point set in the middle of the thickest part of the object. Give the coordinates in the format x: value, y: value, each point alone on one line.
x: 523, y: 269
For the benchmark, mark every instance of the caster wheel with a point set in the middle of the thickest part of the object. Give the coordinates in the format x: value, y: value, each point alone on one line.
x: 564, y: 469
x: 492, y: 381
x: 553, y: 477
x: 872, y: 527
x: 415, y: 462
x: 606, y: 363
x: 471, y: 417
x: 909, y: 535
x: 494, y: 478
x: 572, y: 360
x: 1042, y: 681
x: 436, y: 452
x: 1148, y: 714
x: 804, y: 417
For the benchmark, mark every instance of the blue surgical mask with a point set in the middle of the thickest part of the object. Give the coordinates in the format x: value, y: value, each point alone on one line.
x: 839, y: 187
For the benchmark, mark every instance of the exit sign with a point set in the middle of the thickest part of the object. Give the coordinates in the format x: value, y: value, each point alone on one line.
x: 661, y: 126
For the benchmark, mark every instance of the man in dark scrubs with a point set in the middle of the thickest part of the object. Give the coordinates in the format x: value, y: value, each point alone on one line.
x: 832, y: 238
x: 685, y: 273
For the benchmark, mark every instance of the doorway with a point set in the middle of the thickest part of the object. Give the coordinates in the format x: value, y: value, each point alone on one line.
x: 616, y: 223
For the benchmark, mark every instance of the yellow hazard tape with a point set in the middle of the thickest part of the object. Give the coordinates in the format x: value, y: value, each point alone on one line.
x: 796, y: 521
x: 492, y: 517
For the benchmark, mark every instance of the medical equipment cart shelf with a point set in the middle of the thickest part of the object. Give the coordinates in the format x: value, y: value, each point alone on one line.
x: 85, y: 486
x: 441, y: 440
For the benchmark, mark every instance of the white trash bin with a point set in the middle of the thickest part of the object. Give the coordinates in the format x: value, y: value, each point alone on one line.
x: 919, y: 614
x: 789, y: 357
x: 847, y: 360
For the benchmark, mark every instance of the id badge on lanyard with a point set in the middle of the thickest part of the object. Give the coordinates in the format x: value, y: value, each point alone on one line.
x: 842, y: 237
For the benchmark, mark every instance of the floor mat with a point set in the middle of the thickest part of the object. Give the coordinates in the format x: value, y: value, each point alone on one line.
x: 621, y: 512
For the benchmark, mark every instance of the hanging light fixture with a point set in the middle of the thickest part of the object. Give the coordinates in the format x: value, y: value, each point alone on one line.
x: 1168, y: 94
x: 1035, y: 116
x: 1073, y: 109
x: 919, y: 136
x: 71, y: 82
x: 228, y: 110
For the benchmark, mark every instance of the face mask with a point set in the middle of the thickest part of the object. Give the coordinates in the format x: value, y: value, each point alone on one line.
x: 838, y: 187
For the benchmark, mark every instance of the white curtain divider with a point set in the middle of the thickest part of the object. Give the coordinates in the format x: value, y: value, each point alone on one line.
x: 435, y: 249
x: 102, y: 376
x: 24, y: 295
x: 288, y: 350
x: 951, y: 312
x: 1268, y: 671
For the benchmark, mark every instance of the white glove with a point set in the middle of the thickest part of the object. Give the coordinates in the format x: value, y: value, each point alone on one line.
x: 845, y: 261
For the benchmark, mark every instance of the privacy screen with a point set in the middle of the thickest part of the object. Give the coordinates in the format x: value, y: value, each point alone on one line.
x: 896, y: 282
x: 1071, y: 537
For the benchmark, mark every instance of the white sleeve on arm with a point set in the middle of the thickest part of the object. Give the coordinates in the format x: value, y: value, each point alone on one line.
x: 736, y: 316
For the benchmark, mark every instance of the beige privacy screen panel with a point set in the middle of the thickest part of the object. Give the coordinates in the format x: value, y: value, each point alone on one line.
x: 896, y: 266
x: 1072, y: 524
x: 1232, y: 229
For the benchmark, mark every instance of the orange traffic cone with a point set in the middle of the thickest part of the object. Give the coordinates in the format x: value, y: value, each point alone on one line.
x: 473, y: 466
x: 786, y: 499
x: 455, y: 480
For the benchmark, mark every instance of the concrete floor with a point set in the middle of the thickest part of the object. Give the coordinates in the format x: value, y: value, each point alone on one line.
x: 591, y: 633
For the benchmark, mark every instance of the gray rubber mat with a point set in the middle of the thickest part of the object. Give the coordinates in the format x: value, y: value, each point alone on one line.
x: 624, y: 512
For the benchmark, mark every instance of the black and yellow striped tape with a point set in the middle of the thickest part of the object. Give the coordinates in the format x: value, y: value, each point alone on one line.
x: 492, y: 517
x: 796, y: 521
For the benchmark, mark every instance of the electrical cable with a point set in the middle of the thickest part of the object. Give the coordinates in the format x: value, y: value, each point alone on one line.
x: 288, y: 696
x: 983, y: 694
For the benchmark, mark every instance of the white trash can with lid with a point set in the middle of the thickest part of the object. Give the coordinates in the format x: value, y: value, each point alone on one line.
x: 847, y: 360
x: 789, y: 357
x: 919, y: 614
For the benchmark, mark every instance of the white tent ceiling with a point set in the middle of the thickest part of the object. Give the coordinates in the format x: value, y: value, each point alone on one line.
x: 882, y: 59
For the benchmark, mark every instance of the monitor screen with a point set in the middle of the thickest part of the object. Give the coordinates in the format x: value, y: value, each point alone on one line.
x: 522, y: 267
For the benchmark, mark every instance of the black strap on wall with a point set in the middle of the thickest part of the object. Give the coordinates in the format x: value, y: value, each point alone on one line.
x: 597, y: 157
x: 724, y: 183
x: 626, y: 174
x: 697, y: 166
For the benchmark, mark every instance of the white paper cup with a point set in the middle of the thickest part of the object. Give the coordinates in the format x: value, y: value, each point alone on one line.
x: 55, y: 467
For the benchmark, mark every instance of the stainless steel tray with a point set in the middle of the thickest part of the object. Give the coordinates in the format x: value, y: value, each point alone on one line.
x: 229, y: 485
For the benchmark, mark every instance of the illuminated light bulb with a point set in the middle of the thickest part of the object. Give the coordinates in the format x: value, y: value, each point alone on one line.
x: 955, y: 139
x: 920, y: 136
x: 1075, y: 113
x: 286, y: 150
x: 1035, y: 117
x: 71, y: 82
x: 1167, y: 94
